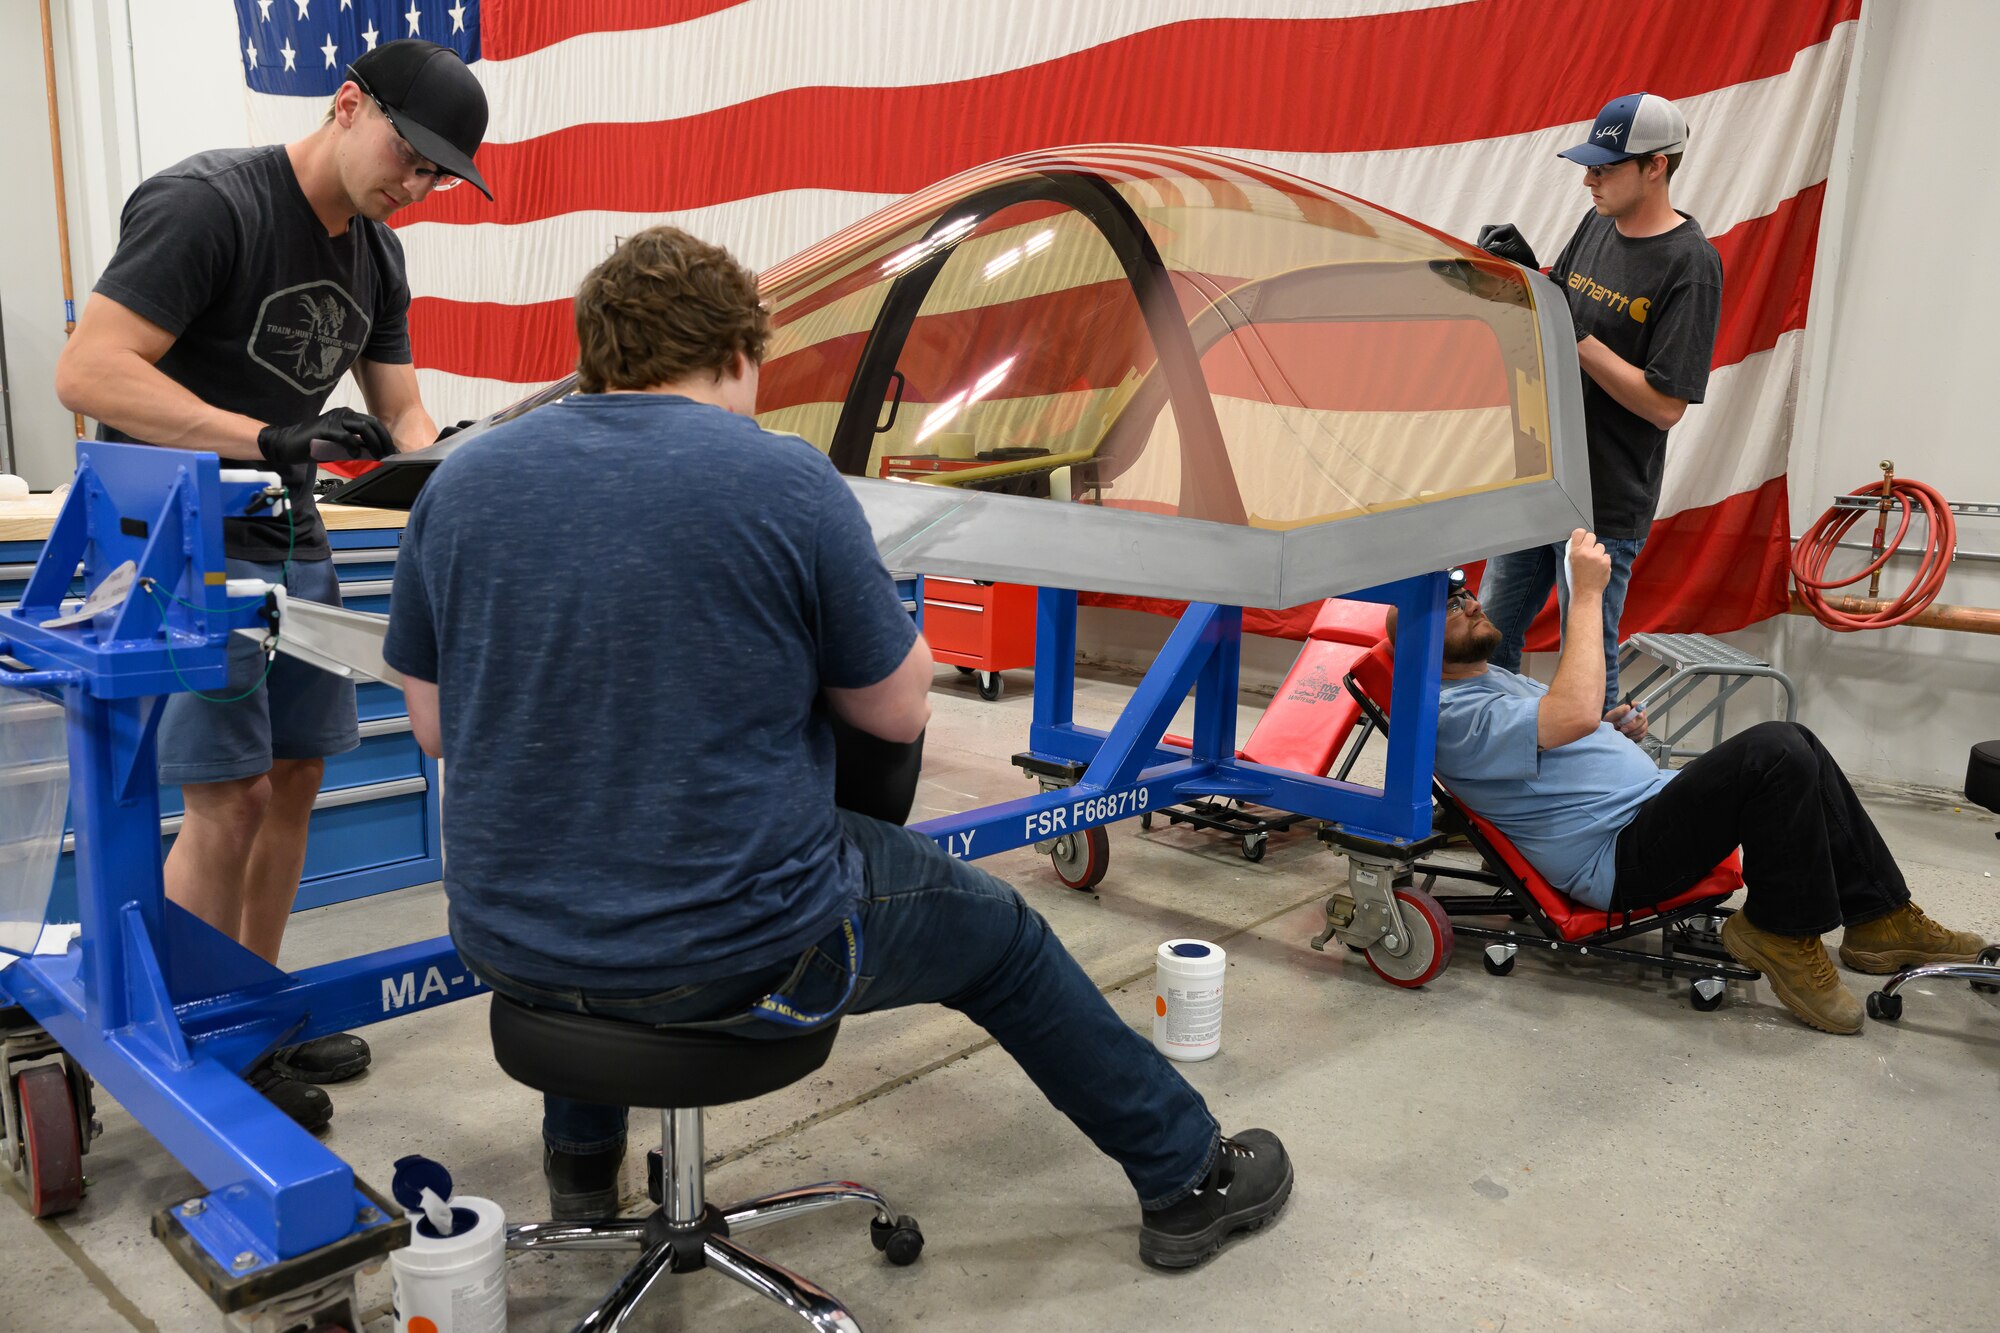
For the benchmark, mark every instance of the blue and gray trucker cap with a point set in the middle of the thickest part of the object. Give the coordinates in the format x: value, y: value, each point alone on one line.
x: 1629, y: 126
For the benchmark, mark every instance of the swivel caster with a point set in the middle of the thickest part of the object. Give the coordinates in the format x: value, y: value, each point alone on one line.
x: 1989, y: 957
x: 1706, y: 994
x: 1499, y: 958
x: 51, y: 1140
x: 1885, y: 1007
x: 991, y: 685
x: 1146, y: 821
x: 1412, y: 962
x: 900, y: 1241
x: 1080, y: 859
x: 1254, y: 845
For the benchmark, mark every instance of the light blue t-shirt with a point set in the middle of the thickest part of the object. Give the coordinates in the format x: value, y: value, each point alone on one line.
x: 1564, y: 808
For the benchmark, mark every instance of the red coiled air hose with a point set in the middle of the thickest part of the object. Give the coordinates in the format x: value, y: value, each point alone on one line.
x: 1809, y: 557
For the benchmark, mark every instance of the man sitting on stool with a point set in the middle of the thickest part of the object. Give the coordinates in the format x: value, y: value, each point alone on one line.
x: 1591, y: 812
x: 634, y: 692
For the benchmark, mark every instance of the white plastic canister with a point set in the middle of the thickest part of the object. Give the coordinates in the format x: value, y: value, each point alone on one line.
x: 455, y: 1283
x: 1187, y: 999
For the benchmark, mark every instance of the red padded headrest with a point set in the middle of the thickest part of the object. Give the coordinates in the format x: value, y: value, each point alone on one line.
x: 1358, y: 623
x: 1375, y: 671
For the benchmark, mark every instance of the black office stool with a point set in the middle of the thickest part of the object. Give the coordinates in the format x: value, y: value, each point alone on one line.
x: 628, y: 1064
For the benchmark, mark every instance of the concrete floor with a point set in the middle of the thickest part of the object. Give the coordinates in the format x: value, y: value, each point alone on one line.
x: 1571, y: 1146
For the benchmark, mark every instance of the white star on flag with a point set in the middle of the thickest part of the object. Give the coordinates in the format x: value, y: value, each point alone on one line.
x: 347, y: 4
x: 288, y: 53
x: 264, y: 9
x: 413, y: 17
x: 371, y: 34
x: 457, y: 13
x: 251, y: 51
x: 328, y: 51
x: 303, y: 4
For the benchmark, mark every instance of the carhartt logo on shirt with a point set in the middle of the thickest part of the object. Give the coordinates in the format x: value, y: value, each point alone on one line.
x: 308, y: 335
x: 1638, y: 307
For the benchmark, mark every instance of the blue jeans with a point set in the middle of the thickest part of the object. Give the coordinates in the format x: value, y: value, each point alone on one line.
x: 1516, y: 587
x: 935, y: 930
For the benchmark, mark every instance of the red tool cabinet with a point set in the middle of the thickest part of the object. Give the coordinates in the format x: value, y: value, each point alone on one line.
x: 981, y: 628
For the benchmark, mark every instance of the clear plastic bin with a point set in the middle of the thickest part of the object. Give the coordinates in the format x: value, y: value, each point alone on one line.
x: 34, y: 796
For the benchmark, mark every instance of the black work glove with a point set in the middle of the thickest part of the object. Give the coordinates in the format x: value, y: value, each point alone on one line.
x: 1505, y: 240
x: 450, y: 431
x: 340, y: 434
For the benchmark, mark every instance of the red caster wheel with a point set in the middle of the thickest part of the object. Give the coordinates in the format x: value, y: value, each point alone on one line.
x: 50, y: 1141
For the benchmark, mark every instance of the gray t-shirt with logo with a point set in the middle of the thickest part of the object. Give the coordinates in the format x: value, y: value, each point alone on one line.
x: 1656, y: 301
x: 266, y: 309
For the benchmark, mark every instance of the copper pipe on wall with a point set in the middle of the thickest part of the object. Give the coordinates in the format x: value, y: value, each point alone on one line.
x: 1970, y: 619
x: 62, y: 198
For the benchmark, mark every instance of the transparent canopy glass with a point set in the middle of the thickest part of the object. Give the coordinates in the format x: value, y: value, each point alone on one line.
x: 1166, y: 331
x: 1241, y: 386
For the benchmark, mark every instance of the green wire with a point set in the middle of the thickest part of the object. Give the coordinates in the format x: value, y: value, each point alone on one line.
x: 271, y: 658
x: 270, y: 661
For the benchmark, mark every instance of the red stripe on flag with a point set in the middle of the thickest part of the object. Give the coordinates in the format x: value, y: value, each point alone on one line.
x: 525, y: 344
x: 1767, y: 271
x: 1457, y: 71
x: 510, y: 28
x: 1379, y: 366
x: 1706, y: 570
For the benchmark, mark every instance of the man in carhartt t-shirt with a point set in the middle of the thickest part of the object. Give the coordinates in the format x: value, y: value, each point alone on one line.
x: 246, y: 283
x: 1645, y: 293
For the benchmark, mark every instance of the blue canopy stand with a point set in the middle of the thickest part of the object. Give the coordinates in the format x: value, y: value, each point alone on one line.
x: 161, y: 1009
x: 1091, y: 778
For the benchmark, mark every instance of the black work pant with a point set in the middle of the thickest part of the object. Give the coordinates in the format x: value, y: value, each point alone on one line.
x: 1812, y: 859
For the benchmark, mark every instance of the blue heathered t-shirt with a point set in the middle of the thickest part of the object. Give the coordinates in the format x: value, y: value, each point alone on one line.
x: 1564, y: 808
x: 630, y: 604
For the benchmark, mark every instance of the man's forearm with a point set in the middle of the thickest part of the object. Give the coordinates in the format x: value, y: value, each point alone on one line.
x: 126, y: 392
x: 1576, y: 695
x: 413, y: 429
x: 1627, y: 384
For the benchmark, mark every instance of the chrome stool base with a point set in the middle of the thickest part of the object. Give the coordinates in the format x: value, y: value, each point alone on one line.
x: 684, y: 1235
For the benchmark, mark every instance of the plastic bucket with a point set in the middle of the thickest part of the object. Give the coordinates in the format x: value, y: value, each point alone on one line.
x: 1187, y: 999
x: 455, y: 1283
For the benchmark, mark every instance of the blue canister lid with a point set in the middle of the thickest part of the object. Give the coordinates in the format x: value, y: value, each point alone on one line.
x: 1191, y: 950
x: 414, y: 1175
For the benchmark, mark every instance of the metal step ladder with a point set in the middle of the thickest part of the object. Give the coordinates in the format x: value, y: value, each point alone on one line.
x: 1685, y: 662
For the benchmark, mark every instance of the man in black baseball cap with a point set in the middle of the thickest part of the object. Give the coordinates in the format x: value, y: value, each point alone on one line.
x: 247, y: 284
x: 431, y: 98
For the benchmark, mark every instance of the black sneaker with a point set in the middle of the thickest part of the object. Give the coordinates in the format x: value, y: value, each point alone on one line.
x: 304, y: 1103
x: 334, y: 1058
x: 1249, y: 1183
x: 583, y: 1186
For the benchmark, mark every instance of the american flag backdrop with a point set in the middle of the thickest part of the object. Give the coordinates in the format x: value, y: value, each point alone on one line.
x: 767, y: 125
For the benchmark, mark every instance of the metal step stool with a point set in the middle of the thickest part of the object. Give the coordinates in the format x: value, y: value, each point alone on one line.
x: 1686, y: 662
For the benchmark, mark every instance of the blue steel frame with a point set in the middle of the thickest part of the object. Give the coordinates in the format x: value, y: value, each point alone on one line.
x: 163, y: 1010
x: 158, y: 1007
x: 1130, y: 772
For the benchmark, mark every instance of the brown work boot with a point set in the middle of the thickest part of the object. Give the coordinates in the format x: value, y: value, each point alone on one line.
x: 1799, y: 971
x: 1905, y: 938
